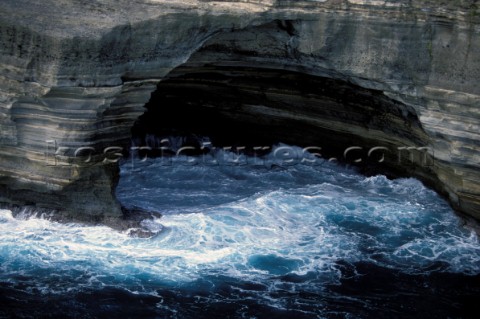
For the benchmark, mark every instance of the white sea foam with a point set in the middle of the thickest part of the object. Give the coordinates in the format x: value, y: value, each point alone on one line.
x: 245, y: 222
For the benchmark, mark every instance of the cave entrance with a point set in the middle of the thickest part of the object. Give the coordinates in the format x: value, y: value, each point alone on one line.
x: 252, y: 108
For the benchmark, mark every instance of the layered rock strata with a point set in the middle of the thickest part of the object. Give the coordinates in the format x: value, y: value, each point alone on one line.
x: 337, y: 73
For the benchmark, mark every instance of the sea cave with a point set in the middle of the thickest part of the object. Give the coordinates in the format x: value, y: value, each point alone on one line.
x: 239, y: 159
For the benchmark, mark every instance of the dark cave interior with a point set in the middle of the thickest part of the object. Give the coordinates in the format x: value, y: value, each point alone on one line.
x: 250, y: 109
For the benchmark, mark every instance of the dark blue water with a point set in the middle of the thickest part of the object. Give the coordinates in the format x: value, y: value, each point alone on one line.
x: 249, y: 238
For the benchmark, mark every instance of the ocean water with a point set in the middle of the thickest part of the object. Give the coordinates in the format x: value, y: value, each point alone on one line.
x: 248, y: 237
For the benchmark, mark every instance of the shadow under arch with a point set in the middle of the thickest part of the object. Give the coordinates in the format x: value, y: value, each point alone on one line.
x: 253, y: 108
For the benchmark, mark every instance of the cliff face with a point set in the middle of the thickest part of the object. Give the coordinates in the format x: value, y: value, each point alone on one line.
x: 334, y: 73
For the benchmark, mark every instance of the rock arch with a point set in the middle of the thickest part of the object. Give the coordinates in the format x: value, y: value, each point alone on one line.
x: 396, y: 68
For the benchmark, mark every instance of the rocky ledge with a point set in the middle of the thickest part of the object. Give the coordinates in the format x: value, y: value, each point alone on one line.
x: 76, y: 77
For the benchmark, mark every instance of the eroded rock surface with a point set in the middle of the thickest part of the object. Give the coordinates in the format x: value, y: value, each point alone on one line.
x: 75, y: 75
